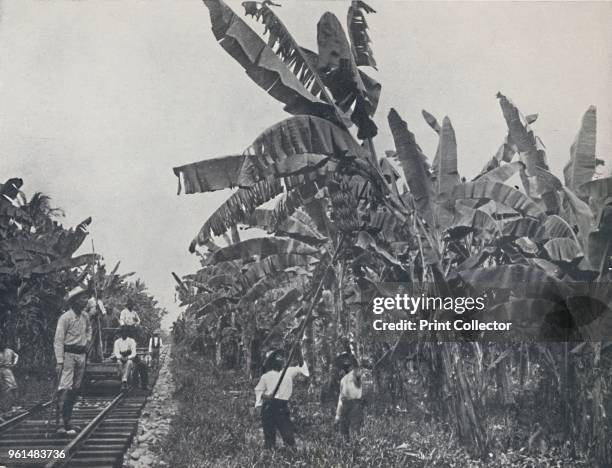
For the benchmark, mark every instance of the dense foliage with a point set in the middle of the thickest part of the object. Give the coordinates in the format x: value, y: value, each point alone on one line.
x: 38, y: 268
x: 345, y: 221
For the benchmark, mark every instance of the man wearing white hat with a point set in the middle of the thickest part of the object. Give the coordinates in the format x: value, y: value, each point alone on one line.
x: 72, y: 338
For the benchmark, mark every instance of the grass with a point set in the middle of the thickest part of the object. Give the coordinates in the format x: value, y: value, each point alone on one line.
x: 217, y: 427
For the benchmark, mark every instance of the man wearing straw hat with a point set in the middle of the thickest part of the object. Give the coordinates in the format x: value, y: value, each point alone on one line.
x: 72, y: 338
x: 275, y: 409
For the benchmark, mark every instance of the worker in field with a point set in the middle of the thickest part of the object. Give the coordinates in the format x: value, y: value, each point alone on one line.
x: 72, y: 338
x: 349, y: 412
x: 129, y: 318
x: 155, y: 344
x: 8, y: 384
x: 274, y: 408
x: 124, y: 352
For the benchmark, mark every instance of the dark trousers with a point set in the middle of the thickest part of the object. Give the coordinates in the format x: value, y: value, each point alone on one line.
x: 142, y: 371
x: 351, y: 416
x: 65, y: 404
x: 275, y: 417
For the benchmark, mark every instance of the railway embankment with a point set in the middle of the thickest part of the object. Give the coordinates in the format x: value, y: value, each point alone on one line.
x: 155, y: 421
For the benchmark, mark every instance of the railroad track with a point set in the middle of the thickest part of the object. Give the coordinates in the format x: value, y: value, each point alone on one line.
x: 108, y: 425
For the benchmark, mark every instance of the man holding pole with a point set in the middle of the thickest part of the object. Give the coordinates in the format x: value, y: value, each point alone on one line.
x: 272, y: 394
x: 72, y: 338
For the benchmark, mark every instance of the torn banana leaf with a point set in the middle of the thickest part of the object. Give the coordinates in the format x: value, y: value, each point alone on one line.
x: 340, y: 74
x: 274, y: 151
x: 237, y: 209
x: 358, y: 33
x: 294, y: 87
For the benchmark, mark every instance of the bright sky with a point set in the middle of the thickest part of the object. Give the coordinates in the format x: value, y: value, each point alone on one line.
x: 100, y: 99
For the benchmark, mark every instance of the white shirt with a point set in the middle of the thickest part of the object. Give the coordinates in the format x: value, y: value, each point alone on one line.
x: 152, y: 343
x: 267, y: 383
x: 348, y: 390
x: 123, y: 345
x: 129, y: 317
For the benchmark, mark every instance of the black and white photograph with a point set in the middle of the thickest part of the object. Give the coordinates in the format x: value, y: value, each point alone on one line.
x: 310, y: 233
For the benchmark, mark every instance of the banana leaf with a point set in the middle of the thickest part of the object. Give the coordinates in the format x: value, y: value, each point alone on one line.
x: 223, y: 280
x: 296, y: 229
x: 581, y: 214
x: 500, y: 193
x: 210, y: 174
x: 522, y: 136
x: 501, y: 173
x: 468, y: 220
x: 444, y: 169
x: 523, y: 227
x: 431, y: 121
x: 599, y: 250
x: 415, y: 166
x: 61, y: 264
x: 309, y: 68
x: 35, y: 246
x: 287, y: 299
x: 284, y: 278
x: 294, y: 87
x: 366, y: 242
x: 358, y: 33
x: 582, y: 163
x: 340, y: 74
x: 563, y: 250
x: 273, y: 265
x: 557, y: 227
x: 530, y: 148
x: 259, y: 248
x: 237, y: 209
x: 300, y: 135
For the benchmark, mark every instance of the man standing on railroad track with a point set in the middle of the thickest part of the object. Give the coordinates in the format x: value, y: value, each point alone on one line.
x: 125, y: 352
x: 155, y: 344
x: 129, y: 318
x: 72, y: 338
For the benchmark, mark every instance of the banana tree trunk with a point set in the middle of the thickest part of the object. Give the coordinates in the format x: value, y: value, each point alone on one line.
x: 504, y: 383
x: 600, y: 436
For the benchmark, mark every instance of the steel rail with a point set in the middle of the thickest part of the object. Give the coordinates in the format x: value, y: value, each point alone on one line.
x: 72, y: 447
x: 20, y: 417
x: 104, y: 437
